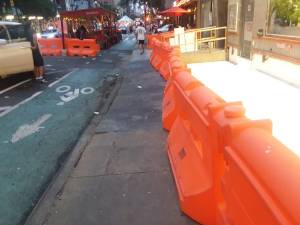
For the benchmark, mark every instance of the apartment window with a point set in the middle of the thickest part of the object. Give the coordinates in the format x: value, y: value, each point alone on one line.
x: 284, y: 17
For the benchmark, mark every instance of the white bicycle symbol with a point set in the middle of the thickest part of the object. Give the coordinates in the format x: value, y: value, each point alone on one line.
x: 69, y: 95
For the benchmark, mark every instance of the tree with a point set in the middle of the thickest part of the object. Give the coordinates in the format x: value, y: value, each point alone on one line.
x: 288, y: 11
x: 36, y: 7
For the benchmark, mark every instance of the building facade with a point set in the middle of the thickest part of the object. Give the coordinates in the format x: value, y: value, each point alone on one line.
x: 205, y: 13
x: 266, y: 33
x: 71, y: 5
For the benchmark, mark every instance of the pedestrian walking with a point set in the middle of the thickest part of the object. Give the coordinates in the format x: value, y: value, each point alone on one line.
x: 38, y: 60
x: 140, y: 32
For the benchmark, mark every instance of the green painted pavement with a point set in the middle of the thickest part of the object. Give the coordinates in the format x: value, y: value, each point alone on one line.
x: 28, y: 164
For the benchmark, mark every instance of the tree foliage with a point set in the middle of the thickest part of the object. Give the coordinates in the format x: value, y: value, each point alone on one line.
x: 286, y: 10
x: 32, y: 7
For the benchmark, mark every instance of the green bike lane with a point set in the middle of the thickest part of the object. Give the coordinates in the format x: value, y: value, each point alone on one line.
x: 37, y: 136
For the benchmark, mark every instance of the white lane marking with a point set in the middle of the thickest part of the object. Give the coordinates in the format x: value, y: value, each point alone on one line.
x: 87, y: 90
x: 63, y: 88
x: 4, y: 108
x: 29, y: 129
x: 70, y: 95
x: 57, y: 71
x: 14, y: 86
x: 62, y: 78
x: 20, y: 103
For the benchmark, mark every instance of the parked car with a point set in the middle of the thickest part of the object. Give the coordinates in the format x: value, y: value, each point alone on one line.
x: 15, y: 49
x: 53, y: 33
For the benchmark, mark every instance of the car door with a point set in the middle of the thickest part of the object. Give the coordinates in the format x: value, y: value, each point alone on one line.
x: 16, y: 55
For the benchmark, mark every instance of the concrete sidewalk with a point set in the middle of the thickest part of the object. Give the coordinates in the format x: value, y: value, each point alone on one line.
x: 123, y: 176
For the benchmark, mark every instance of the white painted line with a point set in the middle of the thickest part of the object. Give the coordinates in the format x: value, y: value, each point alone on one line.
x: 4, y: 108
x: 57, y: 71
x: 29, y: 129
x: 62, y: 78
x: 14, y: 86
x: 20, y: 103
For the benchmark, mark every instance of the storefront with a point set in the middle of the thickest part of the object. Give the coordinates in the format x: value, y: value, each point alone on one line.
x: 193, y: 18
x: 205, y: 13
x: 100, y: 24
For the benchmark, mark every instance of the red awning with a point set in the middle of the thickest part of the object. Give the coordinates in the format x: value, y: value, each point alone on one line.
x: 87, y: 13
x: 174, y: 11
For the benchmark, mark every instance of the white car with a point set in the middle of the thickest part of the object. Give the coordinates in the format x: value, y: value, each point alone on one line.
x: 53, y: 33
x: 164, y: 28
x: 15, y: 50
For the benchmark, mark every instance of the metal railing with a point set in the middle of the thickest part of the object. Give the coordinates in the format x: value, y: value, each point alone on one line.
x: 197, y: 39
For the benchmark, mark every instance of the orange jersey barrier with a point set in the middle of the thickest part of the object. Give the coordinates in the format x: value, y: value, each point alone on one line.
x: 190, y: 148
x: 261, y: 180
x: 150, y: 38
x: 86, y: 47
x: 228, y: 169
x: 169, y: 109
x: 50, y: 47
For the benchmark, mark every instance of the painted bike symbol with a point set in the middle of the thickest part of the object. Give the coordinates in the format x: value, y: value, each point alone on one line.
x: 69, y: 95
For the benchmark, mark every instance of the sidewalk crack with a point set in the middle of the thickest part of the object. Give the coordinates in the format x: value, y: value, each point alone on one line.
x: 121, y: 174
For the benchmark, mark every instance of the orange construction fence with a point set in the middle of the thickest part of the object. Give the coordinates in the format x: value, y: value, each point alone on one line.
x: 74, y: 47
x: 229, y: 170
x: 50, y: 47
x: 86, y: 47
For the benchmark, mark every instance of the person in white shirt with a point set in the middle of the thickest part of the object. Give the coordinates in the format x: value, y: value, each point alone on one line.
x: 141, y: 31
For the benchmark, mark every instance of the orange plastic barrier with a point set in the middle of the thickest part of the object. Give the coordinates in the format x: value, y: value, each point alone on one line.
x: 168, y: 63
x: 191, y: 145
x: 169, y: 109
x: 156, y: 57
x: 150, y: 38
x: 86, y: 47
x: 261, y: 181
x: 50, y: 47
x: 228, y: 169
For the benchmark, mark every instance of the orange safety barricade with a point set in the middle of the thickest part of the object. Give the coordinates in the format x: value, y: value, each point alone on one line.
x: 169, y: 110
x: 261, y: 181
x: 168, y: 63
x: 228, y: 169
x: 86, y: 47
x: 156, y: 57
x: 191, y: 152
x: 50, y: 47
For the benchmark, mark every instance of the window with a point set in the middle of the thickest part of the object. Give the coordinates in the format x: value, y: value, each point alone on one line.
x: 3, y: 33
x: 232, y: 17
x: 17, y: 33
x: 284, y: 17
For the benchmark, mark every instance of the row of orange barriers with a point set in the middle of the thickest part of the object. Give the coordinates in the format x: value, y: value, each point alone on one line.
x: 229, y: 170
x: 74, y: 47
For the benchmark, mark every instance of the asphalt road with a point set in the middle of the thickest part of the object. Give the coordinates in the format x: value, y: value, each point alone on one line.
x: 40, y: 123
